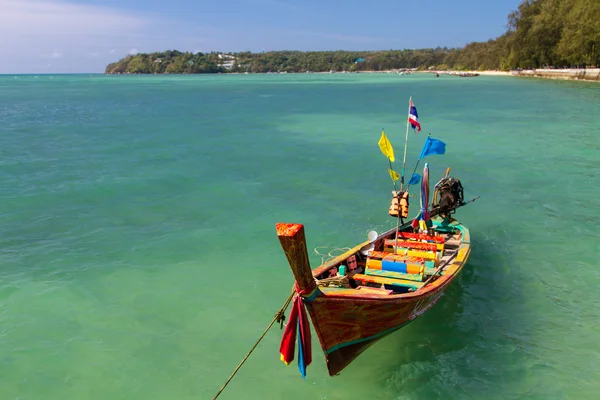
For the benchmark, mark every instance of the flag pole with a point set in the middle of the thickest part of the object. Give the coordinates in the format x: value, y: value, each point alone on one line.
x: 393, y: 181
x: 386, y: 148
x: 414, y: 171
x: 402, y: 177
x: 405, y: 144
x: 417, y: 164
x: 407, y: 187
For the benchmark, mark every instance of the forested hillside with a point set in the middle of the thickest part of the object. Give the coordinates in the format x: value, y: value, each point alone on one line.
x: 283, y: 61
x: 540, y: 33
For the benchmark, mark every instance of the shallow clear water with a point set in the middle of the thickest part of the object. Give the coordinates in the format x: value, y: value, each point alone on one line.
x: 139, y: 255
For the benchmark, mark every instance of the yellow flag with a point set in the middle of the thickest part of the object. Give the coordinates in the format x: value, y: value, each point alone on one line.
x: 395, y: 176
x: 386, y: 147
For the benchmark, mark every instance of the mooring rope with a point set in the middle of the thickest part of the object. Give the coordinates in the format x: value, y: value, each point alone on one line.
x: 331, y: 256
x: 279, y: 317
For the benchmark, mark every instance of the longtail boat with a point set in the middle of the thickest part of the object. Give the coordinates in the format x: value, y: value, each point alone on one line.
x: 381, y: 284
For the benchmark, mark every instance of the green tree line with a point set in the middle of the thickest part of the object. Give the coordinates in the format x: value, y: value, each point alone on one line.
x: 173, y: 61
x: 540, y: 33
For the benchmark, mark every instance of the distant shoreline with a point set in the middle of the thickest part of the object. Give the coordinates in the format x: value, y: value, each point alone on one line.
x: 440, y: 72
x: 574, y: 74
x: 570, y: 74
x: 453, y: 72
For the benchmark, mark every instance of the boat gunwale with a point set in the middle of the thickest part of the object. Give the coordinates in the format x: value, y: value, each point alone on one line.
x: 424, y: 291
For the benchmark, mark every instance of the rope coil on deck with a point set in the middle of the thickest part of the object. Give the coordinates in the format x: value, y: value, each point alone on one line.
x: 331, y: 256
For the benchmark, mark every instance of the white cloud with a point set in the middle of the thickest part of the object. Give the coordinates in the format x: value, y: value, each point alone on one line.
x: 60, y: 18
x: 30, y: 27
x: 133, y: 52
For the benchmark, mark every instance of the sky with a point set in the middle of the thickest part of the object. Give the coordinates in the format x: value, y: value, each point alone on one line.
x: 83, y: 36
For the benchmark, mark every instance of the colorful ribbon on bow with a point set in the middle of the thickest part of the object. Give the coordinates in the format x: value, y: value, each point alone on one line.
x: 298, y: 324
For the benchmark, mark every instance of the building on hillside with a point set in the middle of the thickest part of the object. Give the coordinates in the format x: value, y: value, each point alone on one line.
x: 227, y: 61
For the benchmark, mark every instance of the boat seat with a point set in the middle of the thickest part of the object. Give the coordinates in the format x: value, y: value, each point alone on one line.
x: 412, y: 256
x: 407, y: 244
x: 368, y: 289
x: 411, y: 285
x: 421, y: 236
x: 403, y: 254
x: 395, y: 266
x: 400, y: 263
x: 453, y: 243
x: 418, y: 277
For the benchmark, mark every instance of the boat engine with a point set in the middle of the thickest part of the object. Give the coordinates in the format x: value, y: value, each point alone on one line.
x: 447, y: 196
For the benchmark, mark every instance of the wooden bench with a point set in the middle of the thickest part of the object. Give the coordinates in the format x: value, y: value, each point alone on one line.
x: 403, y: 254
x: 418, y: 277
x: 400, y: 257
x: 388, y: 265
x: 413, y: 263
x: 411, y: 285
x: 374, y: 290
x: 421, y: 236
x: 407, y: 244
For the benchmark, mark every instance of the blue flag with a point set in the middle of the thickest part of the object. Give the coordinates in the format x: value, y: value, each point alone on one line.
x: 432, y: 146
x: 414, y: 179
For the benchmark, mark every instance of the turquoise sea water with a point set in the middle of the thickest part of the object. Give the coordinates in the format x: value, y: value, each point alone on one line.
x: 139, y: 257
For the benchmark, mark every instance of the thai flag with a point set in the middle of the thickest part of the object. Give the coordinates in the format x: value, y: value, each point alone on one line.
x: 413, y: 117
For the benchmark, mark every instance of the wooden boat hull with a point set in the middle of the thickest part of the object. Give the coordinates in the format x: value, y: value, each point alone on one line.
x: 348, y: 321
x: 347, y: 326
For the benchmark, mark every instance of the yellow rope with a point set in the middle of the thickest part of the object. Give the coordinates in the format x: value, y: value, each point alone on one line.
x: 279, y: 317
